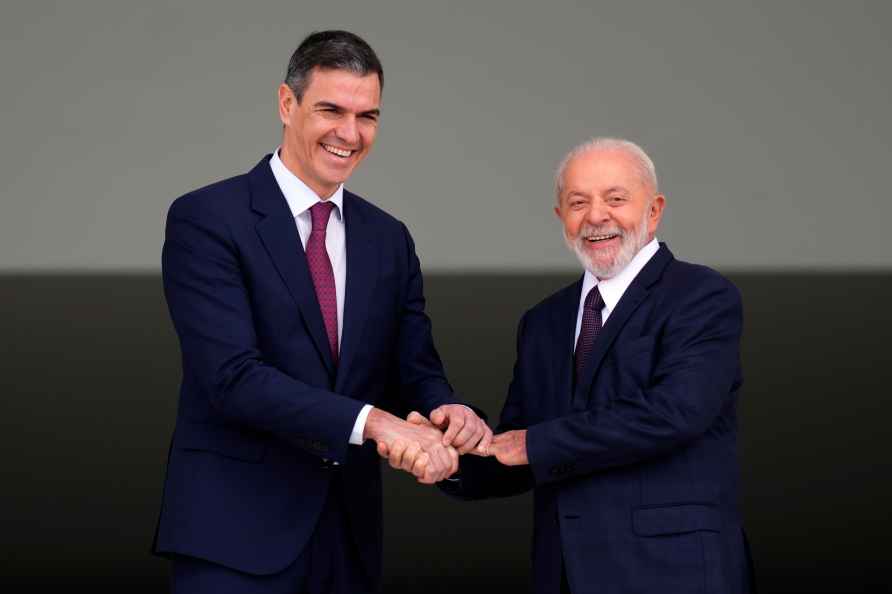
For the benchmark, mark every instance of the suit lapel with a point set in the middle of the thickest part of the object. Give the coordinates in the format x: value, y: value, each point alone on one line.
x: 282, y: 241
x: 637, y: 292
x: 362, y: 272
x: 564, y: 329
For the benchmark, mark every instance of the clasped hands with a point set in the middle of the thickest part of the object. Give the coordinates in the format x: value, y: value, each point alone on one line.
x: 429, y: 448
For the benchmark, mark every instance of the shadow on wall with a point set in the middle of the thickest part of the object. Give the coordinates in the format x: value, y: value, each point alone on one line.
x: 91, y: 371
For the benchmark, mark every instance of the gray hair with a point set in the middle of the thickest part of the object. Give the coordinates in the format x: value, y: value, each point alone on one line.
x: 645, y: 166
x: 331, y: 50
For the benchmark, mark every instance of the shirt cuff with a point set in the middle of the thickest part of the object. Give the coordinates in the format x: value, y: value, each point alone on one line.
x: 359, y: 425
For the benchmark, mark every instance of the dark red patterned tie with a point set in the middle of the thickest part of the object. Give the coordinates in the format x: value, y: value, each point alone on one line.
x: 323, y: 276
x: 589, y: 329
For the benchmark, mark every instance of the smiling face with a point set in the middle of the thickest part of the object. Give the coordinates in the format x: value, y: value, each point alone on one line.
x: 332, y: 129
x: 608, y: 210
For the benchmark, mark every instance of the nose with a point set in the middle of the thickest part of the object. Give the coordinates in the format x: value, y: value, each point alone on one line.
x: 348, y: 131
x: 598, y: 213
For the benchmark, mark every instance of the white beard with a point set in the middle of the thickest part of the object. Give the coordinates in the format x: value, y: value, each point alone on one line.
x: 630, y: 244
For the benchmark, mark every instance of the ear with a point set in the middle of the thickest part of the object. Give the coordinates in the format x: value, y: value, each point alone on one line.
x: 287, y: 103
x: 557, y: 212
x: 655, y: 214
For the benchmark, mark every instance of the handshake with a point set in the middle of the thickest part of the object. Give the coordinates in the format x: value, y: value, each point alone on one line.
x: 429, y: 448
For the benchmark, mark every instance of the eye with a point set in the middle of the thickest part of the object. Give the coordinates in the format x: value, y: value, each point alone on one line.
x: 616, y: 199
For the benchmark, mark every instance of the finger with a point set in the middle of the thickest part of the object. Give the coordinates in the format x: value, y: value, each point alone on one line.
x: 409, y: 456
x: 486, y: 441
x: 453, y: 468
x: 416, y: 418
x: 456, y: 424
x: 433, y: 445
x: 383, y: 450
x: 451, y: 455
x: 438, y: 416
x: 396, y: 453
x: 447, y: 461
x: 468, y: 437
x: 428, y: 478
x: 440, y: 461
x: 420, y: 466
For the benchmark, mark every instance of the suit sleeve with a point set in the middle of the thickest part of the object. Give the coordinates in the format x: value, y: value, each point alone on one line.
x: 211, y: 311
x: 423, y: 384
x: 481, y: 478
x: 695, y: 371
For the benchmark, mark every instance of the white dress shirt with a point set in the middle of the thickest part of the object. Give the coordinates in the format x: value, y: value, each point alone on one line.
x: 613, y: 288
x: 300, y: 199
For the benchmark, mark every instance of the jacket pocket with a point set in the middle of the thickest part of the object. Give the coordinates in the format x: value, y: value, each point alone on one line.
x: 675, y: 519
x: 220, y: 439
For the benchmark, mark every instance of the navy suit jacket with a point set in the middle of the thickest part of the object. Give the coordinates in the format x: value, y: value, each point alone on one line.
x: 634, y: 464
x: 261, y: 403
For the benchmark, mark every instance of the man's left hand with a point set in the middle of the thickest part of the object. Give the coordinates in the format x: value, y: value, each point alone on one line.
x: 510, y: 447
x: 462, y: 429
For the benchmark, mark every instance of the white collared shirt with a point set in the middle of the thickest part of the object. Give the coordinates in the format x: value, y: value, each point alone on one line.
x: 612, y: 289
x: 300, y: 199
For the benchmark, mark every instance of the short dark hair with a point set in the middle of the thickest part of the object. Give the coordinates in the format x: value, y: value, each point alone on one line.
x: 335, y: 50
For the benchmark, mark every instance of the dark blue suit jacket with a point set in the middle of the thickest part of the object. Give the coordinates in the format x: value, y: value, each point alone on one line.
x: 261, y: 403
x: 634, y: 464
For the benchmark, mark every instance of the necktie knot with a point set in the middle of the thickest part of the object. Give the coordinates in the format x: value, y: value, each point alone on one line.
x: 319, y: 214
x: 594, y: 300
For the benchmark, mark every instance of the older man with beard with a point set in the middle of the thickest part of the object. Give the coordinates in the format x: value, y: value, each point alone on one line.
x: 621, y: 413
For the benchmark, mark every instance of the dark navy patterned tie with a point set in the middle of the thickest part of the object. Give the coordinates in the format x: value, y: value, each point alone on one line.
x: 589, y: 329
x: 323, y: 276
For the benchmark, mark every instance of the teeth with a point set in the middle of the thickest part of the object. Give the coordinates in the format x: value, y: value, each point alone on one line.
x: 337, y: 151
x: 600, y: 237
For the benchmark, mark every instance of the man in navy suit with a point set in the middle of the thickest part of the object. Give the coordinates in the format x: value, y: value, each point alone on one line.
x: 300, y: 312
x: 621, y: 413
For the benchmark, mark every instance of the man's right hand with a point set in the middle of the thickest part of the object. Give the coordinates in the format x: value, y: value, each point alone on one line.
x: 413, y: 447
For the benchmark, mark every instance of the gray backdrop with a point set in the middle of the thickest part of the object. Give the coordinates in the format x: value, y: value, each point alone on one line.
x: 769, y: 126
x: 768, y: 121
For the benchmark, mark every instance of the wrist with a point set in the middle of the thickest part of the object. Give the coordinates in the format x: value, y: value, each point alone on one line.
x: 375, y: 424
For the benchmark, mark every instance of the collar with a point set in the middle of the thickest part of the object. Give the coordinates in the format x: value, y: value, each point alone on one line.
x: 298, y: 194
x: 612, y: 289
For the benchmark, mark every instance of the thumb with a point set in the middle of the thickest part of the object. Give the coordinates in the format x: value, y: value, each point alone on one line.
x: 483, y: 451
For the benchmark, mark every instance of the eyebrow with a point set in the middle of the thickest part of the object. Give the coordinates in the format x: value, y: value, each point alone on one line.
x: 613, y: 189
x: 329, y: 104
